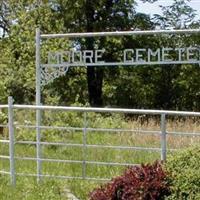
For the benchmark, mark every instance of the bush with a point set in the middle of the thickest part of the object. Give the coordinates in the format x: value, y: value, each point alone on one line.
x: 3, y: 118
x: 145, y: 182
x: 184, y: 171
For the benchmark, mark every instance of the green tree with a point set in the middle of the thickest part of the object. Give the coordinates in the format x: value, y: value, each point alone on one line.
x: 62, y: 16
x: 177, y: 85
x: 18, y: 53
x: 104, y: 15
x: 4, y: 18
x: 179, y: 15
x: 169, y: 87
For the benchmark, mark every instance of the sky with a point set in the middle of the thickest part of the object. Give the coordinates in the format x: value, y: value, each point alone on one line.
x: 153, y: 8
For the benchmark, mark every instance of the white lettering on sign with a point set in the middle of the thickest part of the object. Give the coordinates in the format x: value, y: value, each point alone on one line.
x: 180, y: 53
x: 153, y: 54
x: 98, y: 56
x: 140, y: 55
x: 191, y: 54
x: 166, y: 54
x: 77, y: 57
x: 129, y: 56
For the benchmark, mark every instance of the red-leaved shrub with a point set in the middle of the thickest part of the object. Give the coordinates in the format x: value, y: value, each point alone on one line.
x: 145, y: 182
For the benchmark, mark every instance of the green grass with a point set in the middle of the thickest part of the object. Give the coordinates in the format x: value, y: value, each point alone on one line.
x: 80, y: 188
x: 27, y: 188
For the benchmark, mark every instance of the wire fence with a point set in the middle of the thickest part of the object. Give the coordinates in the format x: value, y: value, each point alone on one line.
x: 39, y: 143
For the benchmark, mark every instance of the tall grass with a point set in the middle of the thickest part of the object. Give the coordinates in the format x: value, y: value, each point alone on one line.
x: 81, y: 188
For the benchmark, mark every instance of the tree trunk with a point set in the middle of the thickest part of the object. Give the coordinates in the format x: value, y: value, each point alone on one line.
x: 95, y: 82
x: 94, y: 74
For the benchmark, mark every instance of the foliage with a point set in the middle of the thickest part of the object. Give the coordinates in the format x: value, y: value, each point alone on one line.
x: 139, y: 182
x: 178, y: 15
x: 156, y: 87
x: 3, y: 118
x: 18, y: 51
x: 173, y: 91
x: 64, y: 119
x: 184, y: 171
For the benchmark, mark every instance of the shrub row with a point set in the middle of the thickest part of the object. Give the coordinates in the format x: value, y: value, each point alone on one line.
x: 146, y: 182
x: 178, y: 178
x: 184, y: 174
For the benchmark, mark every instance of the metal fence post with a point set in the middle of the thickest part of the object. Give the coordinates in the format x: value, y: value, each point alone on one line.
x: 38, y: 102
x: 84, y: 145
x: 38, y: 145
x: 163, y: 138
x: 11, y: 141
